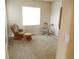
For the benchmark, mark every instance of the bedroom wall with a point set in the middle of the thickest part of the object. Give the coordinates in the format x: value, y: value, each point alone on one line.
x: 6, y: 35
x: 14, y: 11
x: 65, y: 48
x: 55, y: 16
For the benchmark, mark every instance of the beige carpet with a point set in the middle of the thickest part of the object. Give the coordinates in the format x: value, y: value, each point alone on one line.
x: 40, y: 47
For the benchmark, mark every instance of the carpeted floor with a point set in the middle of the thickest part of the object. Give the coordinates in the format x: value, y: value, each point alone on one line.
x: 40, y: 47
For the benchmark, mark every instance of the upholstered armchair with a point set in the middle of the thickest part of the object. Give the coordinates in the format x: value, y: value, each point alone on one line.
x: 18, y: 33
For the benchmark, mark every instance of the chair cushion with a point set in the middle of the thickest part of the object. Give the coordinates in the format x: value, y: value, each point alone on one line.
x: 21, y: 33
x: 16, y: 29
x: 28, y: 34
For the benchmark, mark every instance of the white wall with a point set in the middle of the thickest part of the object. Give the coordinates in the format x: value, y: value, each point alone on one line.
x: 55, y: 15
x: 14, y: 11
x: 6, y: 36
x: 3, y: 32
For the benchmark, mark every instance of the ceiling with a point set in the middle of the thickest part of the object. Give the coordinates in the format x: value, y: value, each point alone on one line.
x: 50, y: 0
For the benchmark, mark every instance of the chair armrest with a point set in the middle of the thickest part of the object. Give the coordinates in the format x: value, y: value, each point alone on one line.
x: 20, y: 30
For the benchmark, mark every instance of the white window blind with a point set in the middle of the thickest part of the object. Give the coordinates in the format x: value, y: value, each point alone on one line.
x: 31, y: 15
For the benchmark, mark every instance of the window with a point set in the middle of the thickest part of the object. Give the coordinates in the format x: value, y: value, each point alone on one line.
x: 31, y: 15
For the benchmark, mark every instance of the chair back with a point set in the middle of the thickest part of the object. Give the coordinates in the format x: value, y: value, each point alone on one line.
x: 15, y: 28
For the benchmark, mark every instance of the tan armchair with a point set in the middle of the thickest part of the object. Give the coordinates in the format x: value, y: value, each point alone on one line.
x: 18, y: 33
